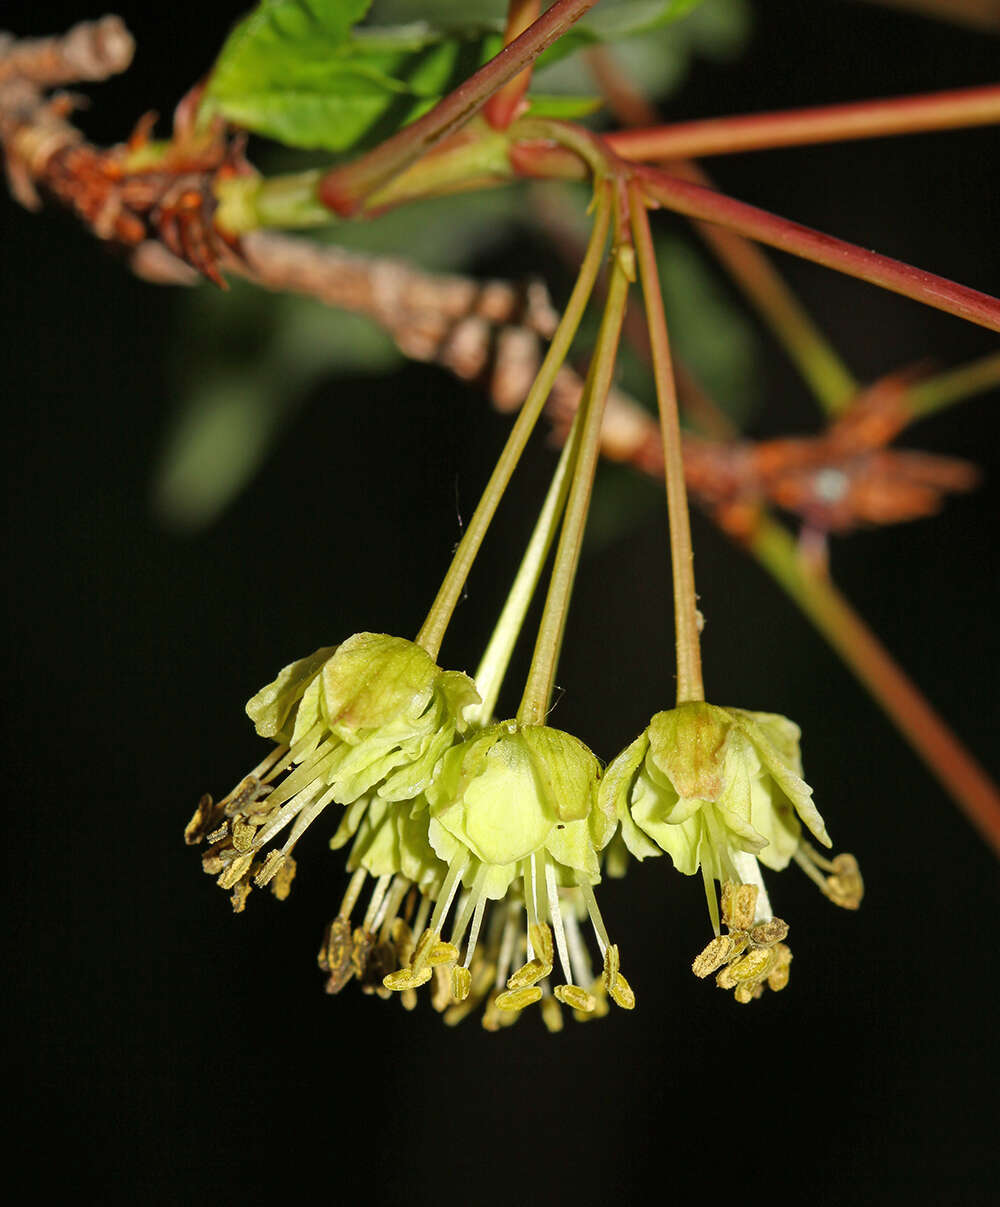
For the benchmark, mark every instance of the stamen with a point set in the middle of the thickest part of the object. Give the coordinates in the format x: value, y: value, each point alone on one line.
x: 477, y: 921
x: 390, y: 906
x: 600, y: 932
x: 354, y: 887
x: 377, y: 894
x: 448, y: 891
x: 507, y: 944
x: 557, y: 922
x: 306, y: 818
x: 748, y: 870
x: 583, y: 972
x: 420, y: 921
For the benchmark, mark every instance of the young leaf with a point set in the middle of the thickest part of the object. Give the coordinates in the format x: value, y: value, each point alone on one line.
x: 297, y: 71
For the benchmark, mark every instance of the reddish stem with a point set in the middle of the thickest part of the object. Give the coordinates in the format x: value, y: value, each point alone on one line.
x: 344, y: 189
x: 930, y: 737
x: 503, y: 106
x: 821, y: 124
x: 926, y: 287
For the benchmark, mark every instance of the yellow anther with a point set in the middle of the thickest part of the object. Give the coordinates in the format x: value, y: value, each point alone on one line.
x: 528, y: 974
x: 541, y: 942
x: 362, y: 942
x: 243, y: 836
x: 219, y: 834
x: 517, y: 999
x: 777, y: 978
x: 622, y: 994
x: 754, y: 966
x: 424, y: 947
x: 441, y: 989
x: 442, y: 953
x: 745, y: 994
x: 409, y: 999
x: 845, y: 886
x: 713, y: 957
x: 204, y: 815
x: 235, y: 871
x: 239, y: 896
x: 281, y: 885
x: 612, y: 961
x: 406, y: 978
x: 551, y: 1015
x: 268, y: 868
x: 461, y: 983
x: 576, y: 998
x: 766, y: 934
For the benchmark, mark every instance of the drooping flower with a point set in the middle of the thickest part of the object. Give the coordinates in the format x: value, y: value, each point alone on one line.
x: 719, y: 789
x: 366, y: 721
x: 513, y: 815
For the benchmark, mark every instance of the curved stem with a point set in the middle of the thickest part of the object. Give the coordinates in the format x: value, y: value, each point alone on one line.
x: 344, y: 189
x: 433, y: 630
x: 959, y: 773
x: 493, y: 667
x: 926, y: 287
x: 541, y: 676
x: 689, y: 678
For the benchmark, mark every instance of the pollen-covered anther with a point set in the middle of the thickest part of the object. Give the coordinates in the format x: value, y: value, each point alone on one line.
x: 842, y: 885
x: 243, y: 836
x: 540, y: 935
x: 284, y: 874
x: 442, y: 953
x: 235, y: 870
x: 517, y: 999
x: 528, y: 974
x: 739, y: 902
x: 711, y: 959
x: 335, y: 954
x: 766, y: 934
x: 576, y: 998
x: 617, y: 987
x: 461, y: 983
x: 362, y: 943
x: 269, y: 868
x: 406, y: 978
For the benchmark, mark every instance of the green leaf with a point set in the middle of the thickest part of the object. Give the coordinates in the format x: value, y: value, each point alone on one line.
x: 296, y: 71
x: 614, y: 20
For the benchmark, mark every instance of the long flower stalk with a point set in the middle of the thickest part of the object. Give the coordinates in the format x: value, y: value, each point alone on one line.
x: 689, y: 677
x: 541, y: 675
x: 433, y: 630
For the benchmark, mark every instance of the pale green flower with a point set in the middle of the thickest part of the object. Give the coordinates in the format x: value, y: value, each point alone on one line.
x: 716, y: 789
x: 362, y: 724
x: 513, y: 814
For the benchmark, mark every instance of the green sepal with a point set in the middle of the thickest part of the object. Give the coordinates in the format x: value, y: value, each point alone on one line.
x: 270, y: 708
x: 373, y: 679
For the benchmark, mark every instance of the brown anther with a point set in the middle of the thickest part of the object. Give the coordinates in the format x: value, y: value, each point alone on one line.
x: 766, y: 934
x: 713, y: 956
x: 844, y: 887
x: 381, y: 960
x: 335, y: 954
x: 362, y: 942
x: 238, y: 897
x: 281, y: 885
x: 739, y: 901
x: 576, y: 998
x: 205, y: 818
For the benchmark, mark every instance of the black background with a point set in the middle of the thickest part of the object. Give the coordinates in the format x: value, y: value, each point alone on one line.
x: 162, y: 1048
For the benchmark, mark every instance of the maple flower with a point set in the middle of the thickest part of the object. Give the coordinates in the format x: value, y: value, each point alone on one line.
x: 514, y: 818
x: 366, y: 721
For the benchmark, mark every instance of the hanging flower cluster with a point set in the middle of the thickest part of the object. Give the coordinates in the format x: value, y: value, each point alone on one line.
x: 474, y: 847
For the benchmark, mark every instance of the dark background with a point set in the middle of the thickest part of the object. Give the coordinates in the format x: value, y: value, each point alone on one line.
x: 163, y: 1049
